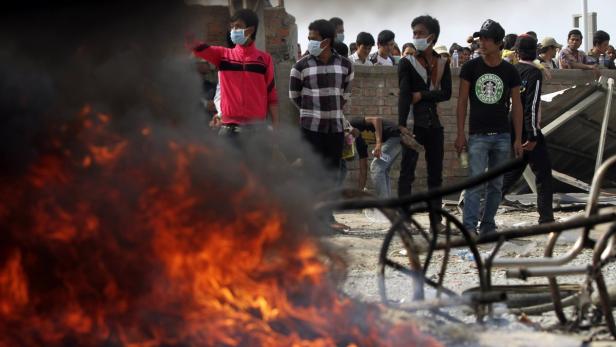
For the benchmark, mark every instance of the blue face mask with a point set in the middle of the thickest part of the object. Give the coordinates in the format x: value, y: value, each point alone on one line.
x: 340, y: 37
x: 421, y: 44
x: 238, y: 37
x: 314, y: 48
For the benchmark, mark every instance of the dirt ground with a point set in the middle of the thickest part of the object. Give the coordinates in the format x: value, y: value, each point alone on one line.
x: 362, y: 244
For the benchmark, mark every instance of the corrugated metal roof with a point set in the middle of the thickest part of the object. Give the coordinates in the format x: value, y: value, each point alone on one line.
x: 573, y: 146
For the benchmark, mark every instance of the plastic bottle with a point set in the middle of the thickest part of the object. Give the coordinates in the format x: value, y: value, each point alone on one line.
x: 463, y: 156
x: 384, y: 157
x: 455, y: 59
x: 602, y: 60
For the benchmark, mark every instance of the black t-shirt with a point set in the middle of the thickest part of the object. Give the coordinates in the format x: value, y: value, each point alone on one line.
x: 490, y: 92
x: 390, y: 129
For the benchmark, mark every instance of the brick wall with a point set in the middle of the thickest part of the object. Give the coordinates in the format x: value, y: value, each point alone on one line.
x: 280, y: 34
x: 375, y: 93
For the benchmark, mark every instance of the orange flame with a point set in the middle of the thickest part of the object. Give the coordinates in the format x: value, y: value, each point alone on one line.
x: 111, y: 245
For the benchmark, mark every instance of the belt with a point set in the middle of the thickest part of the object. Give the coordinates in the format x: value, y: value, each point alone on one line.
x: 489, y: 134
x: 244, y: 127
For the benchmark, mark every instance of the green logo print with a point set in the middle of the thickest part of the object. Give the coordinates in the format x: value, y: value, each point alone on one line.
x: 489, y: 88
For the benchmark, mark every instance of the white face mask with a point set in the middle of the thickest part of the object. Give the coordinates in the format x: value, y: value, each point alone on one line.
x: 421, y: 44
x: 314, y: 48
x: 238, y: 36
x: 340, y: 37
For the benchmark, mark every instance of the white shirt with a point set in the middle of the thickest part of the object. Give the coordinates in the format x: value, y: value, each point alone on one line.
x: 356, y: 60
x: 383, y: 61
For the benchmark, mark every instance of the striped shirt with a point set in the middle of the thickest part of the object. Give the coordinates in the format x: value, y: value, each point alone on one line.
x: 320, y: 91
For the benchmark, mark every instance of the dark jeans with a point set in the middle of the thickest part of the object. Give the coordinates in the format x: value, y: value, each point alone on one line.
x: 433, y: 140
x: 540, y: 164
x: 328, y: 146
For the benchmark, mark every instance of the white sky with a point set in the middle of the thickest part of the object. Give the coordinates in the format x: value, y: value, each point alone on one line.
x: 458, y: 18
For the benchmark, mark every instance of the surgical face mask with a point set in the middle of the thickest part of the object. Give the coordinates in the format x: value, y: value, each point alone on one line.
x: 314, y: 48
x: 340, y: 37
x: 238, y: 37
x: 421, y: 44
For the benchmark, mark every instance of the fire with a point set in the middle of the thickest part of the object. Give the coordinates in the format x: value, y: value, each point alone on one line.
x: 113, y: 240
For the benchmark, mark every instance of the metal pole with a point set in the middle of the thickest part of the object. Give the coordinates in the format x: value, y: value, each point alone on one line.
x: 585, y: 26
x: 606, y: 119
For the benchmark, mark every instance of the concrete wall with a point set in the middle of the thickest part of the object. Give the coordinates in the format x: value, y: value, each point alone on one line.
x: 375, y: 93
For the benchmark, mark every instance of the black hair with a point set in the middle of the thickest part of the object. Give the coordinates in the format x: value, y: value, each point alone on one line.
x: 467, y: 49
x: 430, y: 23
x: 385, y: 36
x: 532, y: 33
x: 599, y: 37
x: 249, y: 18
x: 336, y: 21
x: 509, y: 41
x: 353, y: 47
x: 325, y: 28
x: 454, y: 47
x: 527, y: 55
x: 408, y: 44
x: 365, y: 39
x: 575, y: 32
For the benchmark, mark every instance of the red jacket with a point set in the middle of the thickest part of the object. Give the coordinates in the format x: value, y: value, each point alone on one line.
x: 247, y: 86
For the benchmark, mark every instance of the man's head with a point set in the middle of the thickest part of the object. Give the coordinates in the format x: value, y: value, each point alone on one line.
x: 574, y: 39
x: 611, y: 52
x: 465, y: 55
x: 322, y: 31
x: 244, y: 25
x: 385, y: 42
x: 352, y: 47
x: 549, y: 47
x: 455, y: 47
x: 408, y: 49
x: 426, y: 31
x: 509, y: 41
x: 600, y: 41
x: 339, y: 27
x: 533, y: 34
x: 526, y: 47
x: 442, y: 51
x: 491, y: 37
x: 365, y: 42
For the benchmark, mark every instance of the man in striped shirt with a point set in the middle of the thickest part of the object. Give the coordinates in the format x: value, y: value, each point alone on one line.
x: 535, y: 148
x: 320, y: 85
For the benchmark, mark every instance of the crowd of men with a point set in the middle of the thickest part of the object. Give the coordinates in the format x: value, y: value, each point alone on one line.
x: 501, y: 77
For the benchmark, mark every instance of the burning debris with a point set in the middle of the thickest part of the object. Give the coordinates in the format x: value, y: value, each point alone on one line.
x: 120, y: 228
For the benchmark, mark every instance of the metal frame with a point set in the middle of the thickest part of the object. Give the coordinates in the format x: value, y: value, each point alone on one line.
x: 402, y: 211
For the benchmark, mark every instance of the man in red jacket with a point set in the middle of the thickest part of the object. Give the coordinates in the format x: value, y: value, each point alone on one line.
x: 246, y: 77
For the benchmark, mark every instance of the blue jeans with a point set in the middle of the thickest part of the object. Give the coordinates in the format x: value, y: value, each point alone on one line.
x: 379, y: 169
x: 485, y: 152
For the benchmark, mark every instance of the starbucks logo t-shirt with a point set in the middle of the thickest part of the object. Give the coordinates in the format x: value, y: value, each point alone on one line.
x: 490, y: 94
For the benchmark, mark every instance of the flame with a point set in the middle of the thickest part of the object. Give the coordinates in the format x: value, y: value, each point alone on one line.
x: 111, y: 245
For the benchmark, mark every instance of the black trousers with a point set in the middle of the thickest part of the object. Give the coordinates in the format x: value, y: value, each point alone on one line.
x: 433, y: 140
x: 540, y: 164
x: 329, y: 147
